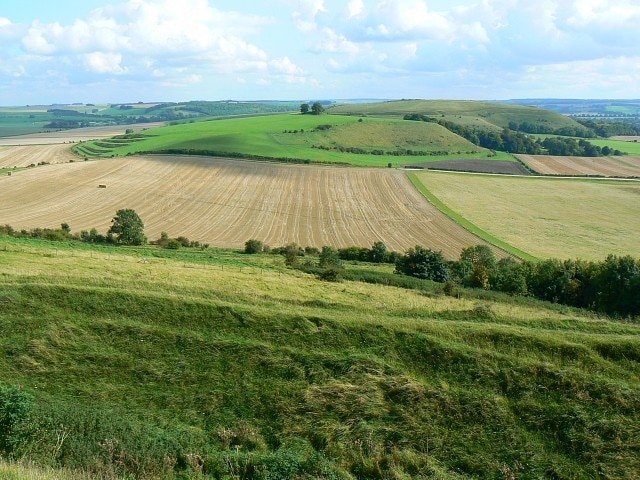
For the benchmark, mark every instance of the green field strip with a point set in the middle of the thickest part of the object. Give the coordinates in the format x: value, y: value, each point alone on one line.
x: 466, y: 224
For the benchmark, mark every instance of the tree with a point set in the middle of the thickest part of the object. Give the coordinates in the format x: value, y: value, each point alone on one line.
x: 378, y: 253
x: 317, y: 108
x: 509, y: 276
x: 253, y: 246
x: 291, y: 254
x: 423, y: 263
x: 128, y: 228
x: 304, y: 108
x: 329, y: 258
x: 483, y: 261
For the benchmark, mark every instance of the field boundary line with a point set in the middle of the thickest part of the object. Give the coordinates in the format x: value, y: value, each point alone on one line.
x: 466, y: 224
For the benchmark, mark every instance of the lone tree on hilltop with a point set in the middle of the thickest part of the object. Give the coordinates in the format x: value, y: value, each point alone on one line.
x: 128, y: 228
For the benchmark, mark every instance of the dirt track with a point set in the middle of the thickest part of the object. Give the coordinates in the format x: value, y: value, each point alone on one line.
x: 226, y: 202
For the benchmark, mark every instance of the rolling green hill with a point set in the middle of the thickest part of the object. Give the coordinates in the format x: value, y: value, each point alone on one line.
x: 488, y: 115
x: 324, y: 138
x: 356, y: 134
x: 151, y: 364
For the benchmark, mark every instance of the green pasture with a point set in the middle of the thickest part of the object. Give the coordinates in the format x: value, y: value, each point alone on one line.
x: 632, y: 148
x: 296, y: 136
x: 16, y: 122
x: 546, y: 217
x: 237, y: 367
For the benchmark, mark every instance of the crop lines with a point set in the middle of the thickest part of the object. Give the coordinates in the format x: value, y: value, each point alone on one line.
x: 226, y: 202
x: 625, y: 166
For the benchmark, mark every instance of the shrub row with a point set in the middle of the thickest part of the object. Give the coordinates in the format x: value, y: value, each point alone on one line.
x: 611, y: 286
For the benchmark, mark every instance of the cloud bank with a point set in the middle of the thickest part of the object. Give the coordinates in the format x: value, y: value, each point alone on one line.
x: 327, y: 48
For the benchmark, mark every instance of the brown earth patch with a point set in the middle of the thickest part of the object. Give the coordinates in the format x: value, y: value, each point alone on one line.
x: 504, y: 167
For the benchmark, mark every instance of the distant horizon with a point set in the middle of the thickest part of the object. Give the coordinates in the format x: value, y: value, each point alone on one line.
x: 364, y: 100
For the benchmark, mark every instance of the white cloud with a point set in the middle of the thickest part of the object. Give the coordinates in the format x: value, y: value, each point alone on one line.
x: 406, y: 19
x: 99, y: 62
x: 333, y: 42
x: 152, y: 36
x: 285, y: 66
x: 585, y: 13
x: 304, y: 17
x: 355, y: 8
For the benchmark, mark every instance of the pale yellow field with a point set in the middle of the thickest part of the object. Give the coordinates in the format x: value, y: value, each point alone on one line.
x: 227, y: 202
x: 562, y: 218
x: 627, y: 166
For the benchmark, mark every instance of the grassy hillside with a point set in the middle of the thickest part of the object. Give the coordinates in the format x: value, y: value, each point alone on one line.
x: 232, y: 366
x: 360, y: 134
x: 487, y: 115
x: 297, y: 137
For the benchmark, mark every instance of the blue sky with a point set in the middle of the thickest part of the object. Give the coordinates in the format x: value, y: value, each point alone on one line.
x: 97, y: 51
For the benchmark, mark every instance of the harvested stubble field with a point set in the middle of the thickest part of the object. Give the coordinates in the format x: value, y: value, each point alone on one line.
x: 547, y: 217
x: 626, y: 166
x: 24, y: 156
x: 226, y: 202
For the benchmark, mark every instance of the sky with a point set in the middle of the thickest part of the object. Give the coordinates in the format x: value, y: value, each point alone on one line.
x: 117, y: 51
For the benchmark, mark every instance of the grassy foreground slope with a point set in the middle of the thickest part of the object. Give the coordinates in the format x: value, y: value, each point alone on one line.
x: 231, y: 366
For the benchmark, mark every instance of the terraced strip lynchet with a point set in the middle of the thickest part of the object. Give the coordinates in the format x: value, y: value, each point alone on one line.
x: 227, y: 202
x: 623, y: 166
x: 547, y: 217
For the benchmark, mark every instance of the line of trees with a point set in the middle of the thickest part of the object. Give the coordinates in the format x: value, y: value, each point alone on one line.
x: 508, y: 140
x: 126, y: 228
x: 604, y: 128
x: 611, y: 286
x: 568, y: 131
x: 314, y: 109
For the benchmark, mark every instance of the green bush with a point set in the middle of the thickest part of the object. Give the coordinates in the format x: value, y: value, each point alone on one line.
x: 15, y: 411
x: 253, y: 246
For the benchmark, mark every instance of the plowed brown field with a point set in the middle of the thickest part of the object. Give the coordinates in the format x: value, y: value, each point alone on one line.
x: 583, y: 166
x: 226, y: 202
